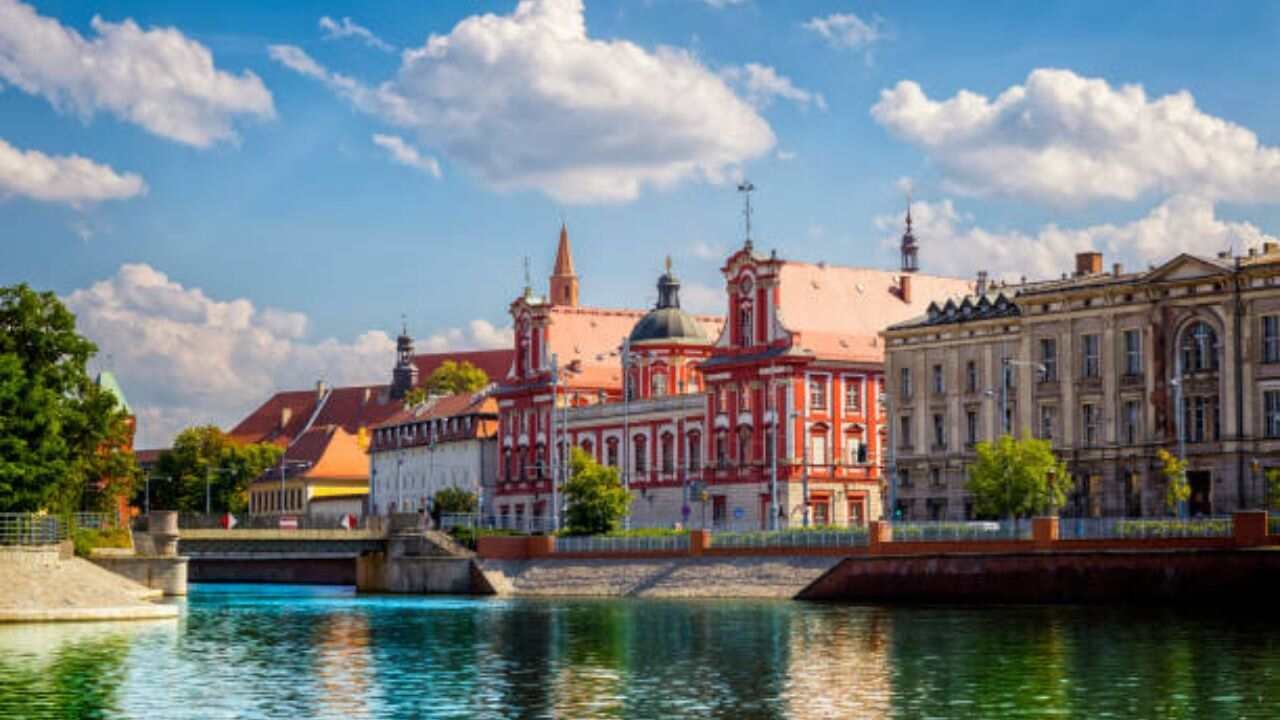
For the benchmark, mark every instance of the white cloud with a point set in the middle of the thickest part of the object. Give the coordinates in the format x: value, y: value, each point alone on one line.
x: 701, y: 299
x: 785, y: 155
x: 158, y: 79
x: 334, y: 30
x: 68, y: 179
x: 184, y: 357
x: 405, y: 154
x: 480, y: 335
x: 846, y: 30
x: 1061, y: 138
x: 950, y: 243
x: 762, y: 84
x: 529, y: 101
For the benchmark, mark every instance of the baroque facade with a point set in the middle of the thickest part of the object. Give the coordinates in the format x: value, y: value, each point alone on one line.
x: 769, y: 416
x: 1099, y: 362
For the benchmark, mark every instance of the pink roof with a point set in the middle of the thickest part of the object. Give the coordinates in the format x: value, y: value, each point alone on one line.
x: 593, y: 336
x: 838, y: 312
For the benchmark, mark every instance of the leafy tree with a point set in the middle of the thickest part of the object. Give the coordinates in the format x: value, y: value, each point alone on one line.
x: 59, y: 431
x: 454, y: 378
x: 1175, y: 472
x: 1016, y: 478
x: 597, y: 502
x: 206, y: 453
x: 1273, y: 488
x: 453, y: 501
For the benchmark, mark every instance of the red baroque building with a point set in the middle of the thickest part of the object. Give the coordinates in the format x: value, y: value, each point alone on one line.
x: 771, y: 419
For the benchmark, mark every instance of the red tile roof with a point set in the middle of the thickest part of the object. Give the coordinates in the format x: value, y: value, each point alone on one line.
x: 495, y: 363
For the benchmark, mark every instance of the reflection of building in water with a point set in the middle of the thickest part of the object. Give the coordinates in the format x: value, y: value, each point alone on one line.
x: 838, y: 664
x: 343, y: 666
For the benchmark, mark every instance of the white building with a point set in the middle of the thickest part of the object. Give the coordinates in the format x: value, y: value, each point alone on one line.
x: 448, y: 441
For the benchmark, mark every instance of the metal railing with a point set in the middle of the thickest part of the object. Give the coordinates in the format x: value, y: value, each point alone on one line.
x: 851, y: 537
x: 1143, y: 528
x: 95, y: 521
x: 533, y: 524
x: 604, y: 543
x: 201, y: 521
x: 943, y: 531
x: 31, y: 529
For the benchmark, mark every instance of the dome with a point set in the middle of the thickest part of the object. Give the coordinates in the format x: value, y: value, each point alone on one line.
x: 667, y: 323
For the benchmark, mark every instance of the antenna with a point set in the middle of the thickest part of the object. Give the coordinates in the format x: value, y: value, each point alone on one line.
x: 746, y: 188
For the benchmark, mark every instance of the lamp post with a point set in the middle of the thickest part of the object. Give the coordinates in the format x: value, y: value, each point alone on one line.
x: 890, y: 461
x: 208, y: 476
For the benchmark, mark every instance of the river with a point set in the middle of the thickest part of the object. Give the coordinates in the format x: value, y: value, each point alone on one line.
x: 261, y: 651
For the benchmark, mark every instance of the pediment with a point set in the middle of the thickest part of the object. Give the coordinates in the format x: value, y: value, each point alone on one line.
x: 1186, y: 267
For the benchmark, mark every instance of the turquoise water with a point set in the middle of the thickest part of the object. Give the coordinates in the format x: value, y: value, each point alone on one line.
x: 257, y: 651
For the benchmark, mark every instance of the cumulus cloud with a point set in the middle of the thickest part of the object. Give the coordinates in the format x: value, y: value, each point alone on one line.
x: 479, y: 335
x: 184, y: 357
x: 951, y: 244
x: 1062, y: 138
x: 704, y: 250
x: 845, y: 31
x: 530, y: 101
x: 405, y: 154
x: 158, y: 79
x: 700, y: 299
x: 762, y: 84
x: 70, y: 179
x: 345, y: 28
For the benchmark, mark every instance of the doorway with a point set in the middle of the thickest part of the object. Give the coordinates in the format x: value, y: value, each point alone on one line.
x: 1201, y: 500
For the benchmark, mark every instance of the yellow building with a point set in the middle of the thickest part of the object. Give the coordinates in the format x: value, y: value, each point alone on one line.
x: 324, y: 471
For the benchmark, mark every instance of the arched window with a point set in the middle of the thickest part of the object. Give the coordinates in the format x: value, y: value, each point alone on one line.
x: 746, y: 329
x: 1199, y: 348
x: 668, y: 453
x: 722, y: 450
x: 639, y: 446
x: 658, y: 384
x: 588, y: 447
x: 855, y: 449
x: 611, y: 452
x: 695, y: 451
x: 744, y: 445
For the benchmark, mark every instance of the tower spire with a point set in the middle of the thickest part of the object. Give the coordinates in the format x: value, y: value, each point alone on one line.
x: 746, y: 188
x: 909, y: 248
x: 564, y: 281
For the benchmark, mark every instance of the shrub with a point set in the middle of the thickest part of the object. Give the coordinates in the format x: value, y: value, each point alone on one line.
x: 86, y: 539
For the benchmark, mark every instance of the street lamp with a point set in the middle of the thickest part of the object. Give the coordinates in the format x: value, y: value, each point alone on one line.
x: 208, y: 497
x: 283, y: 465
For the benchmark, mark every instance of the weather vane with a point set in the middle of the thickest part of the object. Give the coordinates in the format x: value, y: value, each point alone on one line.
x: 668, y: 263
x: 527, y: 283
x: 745, y: 187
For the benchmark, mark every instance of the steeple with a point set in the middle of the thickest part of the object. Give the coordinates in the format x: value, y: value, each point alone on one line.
x: 668, y: 289
x: 564, y: 281
x: 405, y: 374
x: 910, y: 261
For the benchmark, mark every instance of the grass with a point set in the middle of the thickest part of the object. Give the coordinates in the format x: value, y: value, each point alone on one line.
x: 86, y: 539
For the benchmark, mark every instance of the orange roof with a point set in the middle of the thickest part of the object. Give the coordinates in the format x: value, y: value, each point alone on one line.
x: 564, y: 255
x: 495, y: 363
x: 332, y: 454
x: 592, y: 337
x: 838, y: 312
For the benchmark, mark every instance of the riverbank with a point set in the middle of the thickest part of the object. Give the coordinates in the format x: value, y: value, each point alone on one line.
x: 49, y: 584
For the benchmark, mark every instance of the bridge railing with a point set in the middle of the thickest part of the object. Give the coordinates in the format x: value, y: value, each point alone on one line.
x: 201, y: 521
x: 532, y: 524
x: 31, y: 529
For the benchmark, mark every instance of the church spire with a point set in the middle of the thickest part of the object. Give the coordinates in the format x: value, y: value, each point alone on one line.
x: 564, y: 281
x: 910, y: 259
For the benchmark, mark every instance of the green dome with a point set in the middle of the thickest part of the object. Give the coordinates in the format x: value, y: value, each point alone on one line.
x: 667, y: 322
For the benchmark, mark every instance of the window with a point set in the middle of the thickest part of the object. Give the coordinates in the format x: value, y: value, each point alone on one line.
x: 1009, y: 372
x: 639, y: 447
x: 939, y: 385
x: 904, y: 432
x: 1271, y: 338
x: 1271, y: 413
x: 935, y: 477
x: 1199, y: 349
x: 719, y: 394
x: 695, y: 451
x: 1090, y: 362
x: 611, y: 452
x: 1089, y: 418
x: 1130, y: 413
x: 971, y: 427
x: 904, y: 387
x: 904, y: 478
x: 1201, y: 419
x: 722, y: 450
x: 971, y: 376
x: 744, y: 445
x: 817, y: 393
x: 1049, y: 359
x: 668, y: 453
x: 658, y: 385
x: 1133, y: 352
x: 1048, y: 418
x: 746, y: 330
x: 633, y: 380
x: 818, y: 446
x: 939, y: 431
x: 855, y: 449
x: 852, y: 396
x: 588, y: 447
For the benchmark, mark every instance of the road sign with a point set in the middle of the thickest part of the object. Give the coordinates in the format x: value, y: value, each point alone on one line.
x: 349, y: 521
x: 288, y: 522
x: 738, y: 513
x: 228, y: 521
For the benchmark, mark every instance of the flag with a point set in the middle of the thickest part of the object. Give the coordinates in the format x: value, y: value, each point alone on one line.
x: 228, y: 521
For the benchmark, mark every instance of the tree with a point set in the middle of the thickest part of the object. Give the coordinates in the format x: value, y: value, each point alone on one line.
x: 1016, y: 478
x: 1273, y: 488
x: 1175, y: 472
x: 455, y: 378
x: 59, y: 431
x: 453, y: 501
x: 205, y: 453
x: 596, y: 500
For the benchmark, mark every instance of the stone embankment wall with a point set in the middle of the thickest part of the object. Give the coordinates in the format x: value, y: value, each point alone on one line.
x: 42, y: 584
x: 420, y: 562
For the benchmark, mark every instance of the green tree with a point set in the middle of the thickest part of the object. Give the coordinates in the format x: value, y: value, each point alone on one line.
x: 1175, y: 472
x: 1016, y: 478
x: 453, y: 501
x: 206, y: 453
x: 1272, y: 476
x: 596, y: 500
x: 59, y: 431
x: 454, y: 378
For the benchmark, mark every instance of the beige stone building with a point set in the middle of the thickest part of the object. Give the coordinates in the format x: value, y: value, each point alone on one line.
x: 1095, y: 361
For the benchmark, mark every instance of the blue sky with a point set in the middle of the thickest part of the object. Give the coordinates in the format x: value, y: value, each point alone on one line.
x: 251, y: 232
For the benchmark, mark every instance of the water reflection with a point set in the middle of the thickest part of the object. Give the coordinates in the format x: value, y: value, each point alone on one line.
x: 263, y: 652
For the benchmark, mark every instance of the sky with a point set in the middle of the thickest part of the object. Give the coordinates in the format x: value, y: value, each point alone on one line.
x: 237, y: 197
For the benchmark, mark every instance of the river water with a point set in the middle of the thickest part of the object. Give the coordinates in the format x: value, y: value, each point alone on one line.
x: 260, y: 651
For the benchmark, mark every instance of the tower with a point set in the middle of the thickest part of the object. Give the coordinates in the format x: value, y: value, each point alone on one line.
x: 564, y: 281
x: 405, y: 374
x: 910, y: 261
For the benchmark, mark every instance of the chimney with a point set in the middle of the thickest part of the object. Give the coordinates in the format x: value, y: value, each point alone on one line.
x: 1269, y: 248
x: 904, y: 288
x: 319, y: 390
x: 1117, y: 269
x: 286, y: 414
x: 1088, y: 263
x: 981, y: 286
x: 368, y: 393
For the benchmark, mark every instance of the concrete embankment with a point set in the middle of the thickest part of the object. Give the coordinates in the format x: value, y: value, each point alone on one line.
x: 721, y: 577
x: 42, y: 584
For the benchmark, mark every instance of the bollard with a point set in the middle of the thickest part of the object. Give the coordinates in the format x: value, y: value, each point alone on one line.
x: 163, y: 528
x: 699, y: 541
x: 1044, y: 532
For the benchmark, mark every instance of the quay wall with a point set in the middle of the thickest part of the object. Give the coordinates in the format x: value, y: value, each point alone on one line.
x: 166, y: 574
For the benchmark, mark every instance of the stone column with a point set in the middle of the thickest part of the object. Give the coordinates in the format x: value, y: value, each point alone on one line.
x: 163, y: 528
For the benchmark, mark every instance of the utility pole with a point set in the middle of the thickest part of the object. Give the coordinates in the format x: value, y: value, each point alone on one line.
x: 553, y: 447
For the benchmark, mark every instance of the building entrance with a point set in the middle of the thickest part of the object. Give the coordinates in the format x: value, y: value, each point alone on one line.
x: 1201, y: 500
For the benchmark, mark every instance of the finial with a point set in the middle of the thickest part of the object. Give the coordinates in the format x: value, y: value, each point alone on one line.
x: 908, y: 210
x: 528, y: 284
x: 404, y: 325
x: 746, y: 188
x: 668, y: 264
